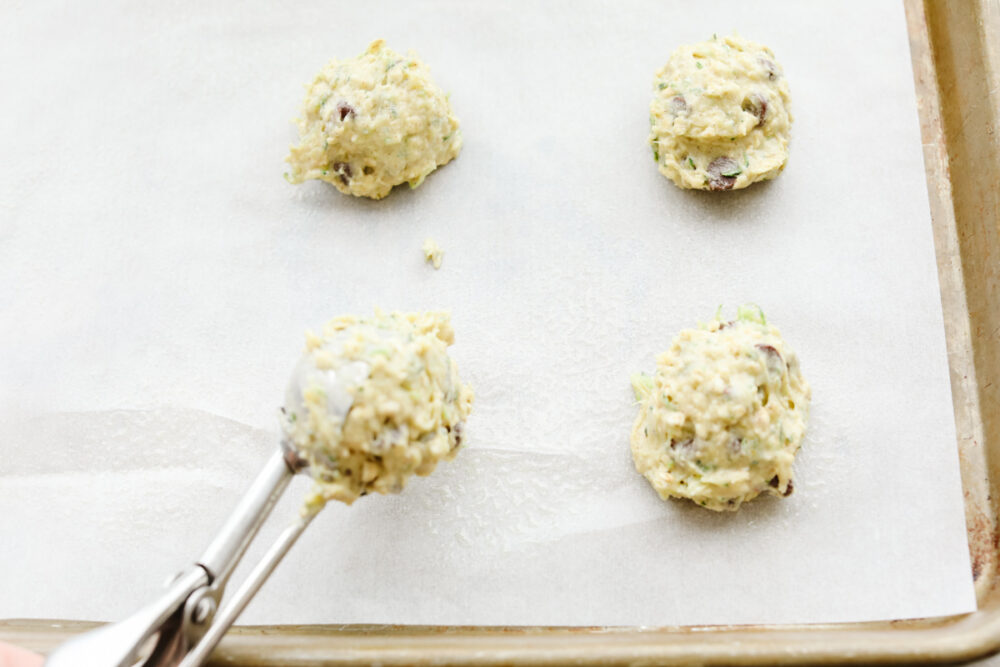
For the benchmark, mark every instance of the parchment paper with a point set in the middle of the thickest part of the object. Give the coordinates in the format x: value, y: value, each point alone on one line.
x: 157, y: 273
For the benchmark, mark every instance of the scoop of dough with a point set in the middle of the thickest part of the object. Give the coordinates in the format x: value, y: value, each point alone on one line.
x: 405, y: 405
x: 374, y: 122
x: 719, y: 119
x: 723, y: 417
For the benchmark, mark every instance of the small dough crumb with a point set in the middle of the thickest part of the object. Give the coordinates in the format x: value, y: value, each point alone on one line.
x: 373, y: 122
x: 720, y: 118
x: 405, y: 405
x: 723, y: 417
x: 433, y: 254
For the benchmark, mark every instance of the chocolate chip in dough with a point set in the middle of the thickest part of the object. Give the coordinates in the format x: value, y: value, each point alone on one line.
x: 345, y: 110
x: 344, y: 169
x: 722, y: 172
x: 756, y: 105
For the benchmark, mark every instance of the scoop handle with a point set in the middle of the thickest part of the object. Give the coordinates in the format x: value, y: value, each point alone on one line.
x: 228, y: 614
x: 119, y: 644
x: 178, y: 619
x: 229, y: 545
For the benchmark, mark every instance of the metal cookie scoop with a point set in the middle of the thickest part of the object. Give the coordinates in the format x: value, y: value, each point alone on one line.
x: 186, y: 623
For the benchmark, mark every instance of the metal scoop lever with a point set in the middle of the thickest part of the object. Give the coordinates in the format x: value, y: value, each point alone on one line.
x: 228, y: 614
x: 177, y: 622
x: 182, y: 626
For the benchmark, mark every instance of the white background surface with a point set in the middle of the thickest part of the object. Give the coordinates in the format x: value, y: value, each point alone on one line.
x: 156, y: 273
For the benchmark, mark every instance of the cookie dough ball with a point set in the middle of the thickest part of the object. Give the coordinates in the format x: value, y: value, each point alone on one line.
x: 719, y: 119
x: 723, y: 417
x: 372, y: 123
x: 404, y: 403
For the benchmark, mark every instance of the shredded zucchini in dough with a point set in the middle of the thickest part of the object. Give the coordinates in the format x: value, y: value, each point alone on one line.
x: 721, y: 420
x: 373, y: 122
x: 720, y: 118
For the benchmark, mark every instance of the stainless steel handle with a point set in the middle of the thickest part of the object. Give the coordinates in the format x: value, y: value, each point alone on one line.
x: 119, y: 645
x: 235, y: 606
x: 177, y: 621
x: 241, y: 527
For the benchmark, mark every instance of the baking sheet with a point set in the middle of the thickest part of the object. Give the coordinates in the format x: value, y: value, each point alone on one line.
x: 156, y: 273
